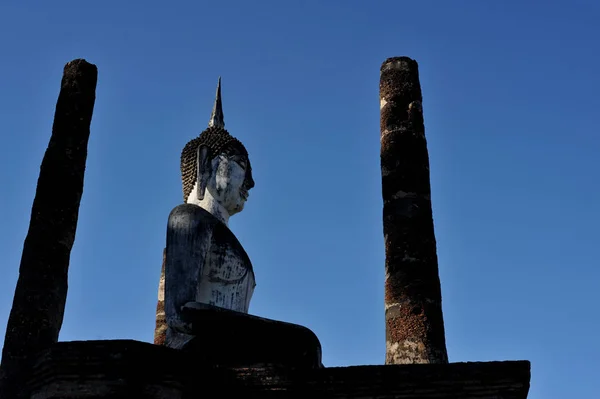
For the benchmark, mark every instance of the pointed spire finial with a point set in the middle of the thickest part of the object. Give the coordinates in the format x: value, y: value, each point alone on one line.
x: 216, y: 118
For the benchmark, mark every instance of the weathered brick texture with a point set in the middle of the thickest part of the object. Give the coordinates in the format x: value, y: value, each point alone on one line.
x: 413, y: 299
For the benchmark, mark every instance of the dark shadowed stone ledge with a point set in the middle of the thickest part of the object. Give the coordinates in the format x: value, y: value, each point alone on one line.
x: 227, y: 338
x: 132, y: 369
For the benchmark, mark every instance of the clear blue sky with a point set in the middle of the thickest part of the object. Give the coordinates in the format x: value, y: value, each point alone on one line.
x: 511, y: 112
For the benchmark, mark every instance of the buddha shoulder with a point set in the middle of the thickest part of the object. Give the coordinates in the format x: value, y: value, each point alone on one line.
x: 194, y: 220
x: 189, y: 216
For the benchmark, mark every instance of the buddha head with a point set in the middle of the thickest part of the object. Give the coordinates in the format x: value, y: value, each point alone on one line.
x: 215, y: 168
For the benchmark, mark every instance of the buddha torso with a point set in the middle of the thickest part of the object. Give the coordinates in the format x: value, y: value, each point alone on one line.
x: 204, y: 264
x: 227, y: 279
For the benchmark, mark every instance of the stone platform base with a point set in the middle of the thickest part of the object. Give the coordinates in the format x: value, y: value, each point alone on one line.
x: 132, y: 369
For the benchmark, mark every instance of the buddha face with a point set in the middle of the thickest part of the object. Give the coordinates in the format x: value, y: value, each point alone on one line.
x: 230, y: 183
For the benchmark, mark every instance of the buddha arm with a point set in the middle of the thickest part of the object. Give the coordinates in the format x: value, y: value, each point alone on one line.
x: 188, y: 241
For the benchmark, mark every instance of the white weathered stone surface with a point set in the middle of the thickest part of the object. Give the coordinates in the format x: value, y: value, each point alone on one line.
x: 225, y: 194
x: 382, y: 103
x: 161, y: 288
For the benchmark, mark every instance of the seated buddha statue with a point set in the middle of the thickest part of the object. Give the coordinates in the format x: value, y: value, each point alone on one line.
x: 209, y: 279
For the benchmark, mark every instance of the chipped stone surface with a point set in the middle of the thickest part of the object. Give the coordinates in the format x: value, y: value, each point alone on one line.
x: 414, y: 321
x: 160, y: 330
x: 41, y: 292
x: 124, y: 368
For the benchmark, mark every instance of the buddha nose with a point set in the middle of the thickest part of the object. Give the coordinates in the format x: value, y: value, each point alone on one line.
x: 249, y: 182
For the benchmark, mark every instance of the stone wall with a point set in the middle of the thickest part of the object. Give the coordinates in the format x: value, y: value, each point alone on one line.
x: 124, y: 368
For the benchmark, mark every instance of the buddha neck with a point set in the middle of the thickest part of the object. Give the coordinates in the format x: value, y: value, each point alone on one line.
x: 209, y: 204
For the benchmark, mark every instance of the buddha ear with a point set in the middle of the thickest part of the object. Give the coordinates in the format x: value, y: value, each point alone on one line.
x: 204, y: 170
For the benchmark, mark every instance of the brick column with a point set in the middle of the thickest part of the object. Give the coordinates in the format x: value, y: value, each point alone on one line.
x: 413, y: 300
x: 41, y: 292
